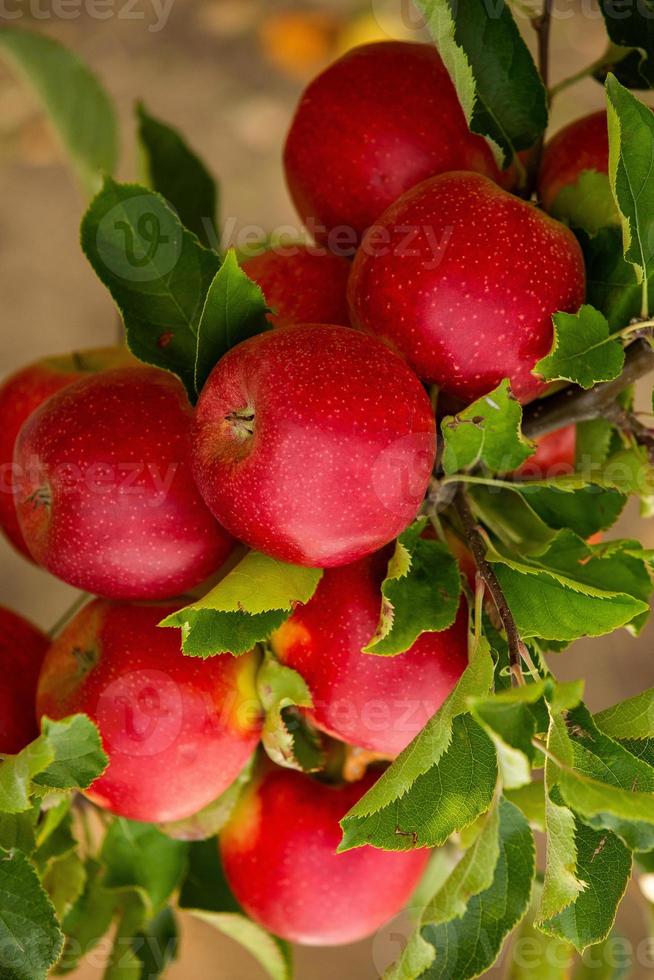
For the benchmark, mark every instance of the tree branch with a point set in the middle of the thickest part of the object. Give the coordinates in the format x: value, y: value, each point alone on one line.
x: 485, y: 569
x: 543, y: 25
x: 573, y: 404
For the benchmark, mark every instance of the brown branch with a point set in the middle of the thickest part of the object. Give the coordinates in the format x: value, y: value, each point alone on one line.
x: 573, y: 404
x: 485, y: 569
x: 543, y: 27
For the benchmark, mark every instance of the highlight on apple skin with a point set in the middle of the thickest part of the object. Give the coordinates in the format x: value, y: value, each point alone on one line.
x: 313, y: 444
x: 178, y: 731
x: 374, y: 702
x: 279, y: 856
x: 105, y: 496
x: 466, y: 283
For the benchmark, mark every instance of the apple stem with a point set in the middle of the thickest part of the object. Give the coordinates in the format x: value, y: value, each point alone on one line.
x: 477, y: 546
x: 68, y: 615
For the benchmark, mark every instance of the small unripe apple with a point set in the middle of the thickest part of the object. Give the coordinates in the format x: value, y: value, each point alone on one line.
x: 177, y: 730
x: 279, y: 856
x: 313, y: 444
x: 22, y: 648
x: 302, y: 285
x: 380, y: 120
x: 105, y: 496
x: 20, y: 395
x: 579, y: 147
x: 463, y: 278
x: 375, y: 702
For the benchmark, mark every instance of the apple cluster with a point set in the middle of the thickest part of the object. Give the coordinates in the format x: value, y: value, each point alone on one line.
x: 314, y: 443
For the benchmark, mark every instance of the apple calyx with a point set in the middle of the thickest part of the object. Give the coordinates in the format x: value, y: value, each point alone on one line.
x: 241, y: 422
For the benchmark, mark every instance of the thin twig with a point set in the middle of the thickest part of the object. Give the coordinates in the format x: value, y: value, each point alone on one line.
x: 542, y: 25
x: 68, y: 615
x: 478, y: 548
x: 573, y: 404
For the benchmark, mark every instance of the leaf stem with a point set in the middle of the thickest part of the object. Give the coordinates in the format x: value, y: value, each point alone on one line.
x: 478, y: 548
x: 68, y: 615
x: 610, y: 56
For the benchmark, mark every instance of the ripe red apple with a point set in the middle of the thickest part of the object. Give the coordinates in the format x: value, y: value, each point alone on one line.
x: 303, y: 285
x: 22, y: 648
x: 377, y: 703
x: 105, y: 496
x: 580, y: 146
x: 381, y: 119
x: 177, y: 730
x: 555, y: 455
x: 466, y: 283
x: 20, y: 395
x: 279, y: 856
x: 313, y: 444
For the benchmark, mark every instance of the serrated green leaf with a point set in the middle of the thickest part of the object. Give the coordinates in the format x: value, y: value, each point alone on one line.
x: 207, y: 896
x: 593, y: 443
x: 587, y: 203
x: 157, y: 272
x: 630, y: 27
x: 611, y: 282
x: 139, y: 856
x: 281, y: 687
x: 511, y: 518
x: 473, y: 874
x: 448, y: 797
x: 500, y: 90
x: 583, y: 351
x: 536, y: 955
x: 30, y: 938
x: 177, y: 173
x: 64, y: 881
x: 17, y: 830
x: 631, y: 157
x: 585, y: 511
x: 77, y: 105
x: 465, y: 947
x: 250, y: 602
x: 530, y: 798
x: 234, y: 310
x: 419, y: 594
x: 631, y: 719
x: 487, y: 432
x: 431, y: 744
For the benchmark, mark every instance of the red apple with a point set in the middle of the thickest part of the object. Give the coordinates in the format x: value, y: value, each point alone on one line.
x: 581, y: 146
x: 279, y: 856
x: 555, y: 455
x: 313, y: 444
x: 466, y: 283
x: 20, y: 395
x: 377, y: 703
x: 105, y: 496
x: 22, y: 648
x: 381, y: 119
x: 177, y: 730
x: 303, y: 285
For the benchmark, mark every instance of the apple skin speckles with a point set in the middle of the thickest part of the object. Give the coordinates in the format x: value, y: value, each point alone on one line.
x: 488, y: 271
x: 341, y: 447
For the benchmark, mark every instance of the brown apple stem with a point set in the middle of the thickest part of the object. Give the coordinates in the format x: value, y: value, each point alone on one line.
x: 573, y: 404
x: 543, y: 26
x: 477, y: 547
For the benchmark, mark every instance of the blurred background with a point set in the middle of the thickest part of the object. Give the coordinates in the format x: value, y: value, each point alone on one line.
x: 227, y: 73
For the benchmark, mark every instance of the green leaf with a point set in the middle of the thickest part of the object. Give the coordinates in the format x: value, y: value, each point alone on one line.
x: 88, y: 920
x: 156, y: 946
x: 250, y: 602
x: 30, y: 938
x: 487, y: 432
x: 631, y: 719
x: 472, y: 875
x: 468, y: 945
x: 207, y: 896
x: 431, y: 744
x: 587, y: 203
x: 630, y: 26
x: 448, y: 797
x: 178, y: 174
x: 631, y: 157
x: 285, y: 738
x: 139, y: 856
x: 212, y: 818
x: 157, y: 272
x: 64, y: 881
x: 537, y: 955
x: 67, y: 755
x: 585, y: 511
x: 500, y: 90
x: 583, y: 351
x: 530, y: 798
x: 419, y: 594
x: 76, y: 103
x: 593, y: 443
x: 234, y: 310
x: 611, y: 282
x: 17, y: 830
x: 510, y: 517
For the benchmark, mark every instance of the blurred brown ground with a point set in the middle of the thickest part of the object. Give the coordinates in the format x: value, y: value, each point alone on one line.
x: 227, y: 72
